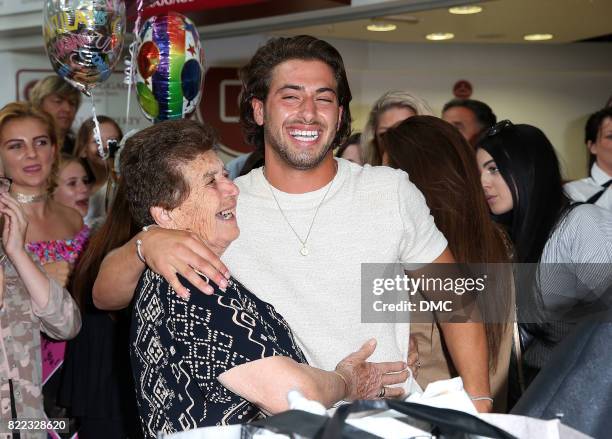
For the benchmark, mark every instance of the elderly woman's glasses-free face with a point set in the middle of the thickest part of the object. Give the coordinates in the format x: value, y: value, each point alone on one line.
x: 5, y: 184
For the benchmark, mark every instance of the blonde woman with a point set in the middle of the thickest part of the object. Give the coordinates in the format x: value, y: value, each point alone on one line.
x: 55, y: 235
x: 390, y: 109
x: 30, y: 302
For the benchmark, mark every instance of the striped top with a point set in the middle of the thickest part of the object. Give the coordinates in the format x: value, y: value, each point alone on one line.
x: 574, y: 277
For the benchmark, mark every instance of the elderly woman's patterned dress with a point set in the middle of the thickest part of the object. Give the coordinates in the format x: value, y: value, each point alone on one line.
x: 180, y: 347
x: 53, y: 351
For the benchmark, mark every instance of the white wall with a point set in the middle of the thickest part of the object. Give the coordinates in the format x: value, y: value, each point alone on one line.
x: 552, y: 86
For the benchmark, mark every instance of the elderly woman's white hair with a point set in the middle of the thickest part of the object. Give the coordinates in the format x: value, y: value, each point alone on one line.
x: 391, y: 99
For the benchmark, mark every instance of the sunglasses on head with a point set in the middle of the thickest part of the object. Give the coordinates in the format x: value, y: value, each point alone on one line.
x: 499, y: 127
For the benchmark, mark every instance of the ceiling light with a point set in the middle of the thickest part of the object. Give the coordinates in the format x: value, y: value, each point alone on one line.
x: 381, y: 27
x: 465, y: 10
x: 439, y: 36
x: 538, y: 37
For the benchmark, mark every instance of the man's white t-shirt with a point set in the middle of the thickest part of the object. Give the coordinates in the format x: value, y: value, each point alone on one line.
x: 370, y: 215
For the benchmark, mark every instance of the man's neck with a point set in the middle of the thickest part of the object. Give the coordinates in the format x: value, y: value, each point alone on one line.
x: 298, y: 181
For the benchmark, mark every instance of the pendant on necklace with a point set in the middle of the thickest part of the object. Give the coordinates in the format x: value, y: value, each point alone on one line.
x: 304, y: 251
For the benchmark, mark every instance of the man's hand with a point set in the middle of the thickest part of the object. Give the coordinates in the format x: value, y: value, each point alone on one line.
x: 366, y: 380
x: 168, y: 252
x: 60, y: 271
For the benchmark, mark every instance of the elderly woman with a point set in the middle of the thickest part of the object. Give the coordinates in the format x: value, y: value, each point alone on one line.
x: 389, y: 110
x: 215, y: 359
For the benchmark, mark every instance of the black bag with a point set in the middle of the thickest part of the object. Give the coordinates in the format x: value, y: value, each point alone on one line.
x: 444, y: 423
x: 576, y: 383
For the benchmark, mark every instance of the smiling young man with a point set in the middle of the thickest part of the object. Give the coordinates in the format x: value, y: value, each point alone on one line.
x: 307, y: 220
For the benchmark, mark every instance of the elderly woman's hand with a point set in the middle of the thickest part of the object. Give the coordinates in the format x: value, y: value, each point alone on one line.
x: 367, y: 380
x: 168, y: 252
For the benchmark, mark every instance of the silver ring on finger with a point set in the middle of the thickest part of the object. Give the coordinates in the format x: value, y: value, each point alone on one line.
x: 382, y: 392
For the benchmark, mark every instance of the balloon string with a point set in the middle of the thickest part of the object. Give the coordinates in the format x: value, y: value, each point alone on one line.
x: 102, y: 152
x: 129, y: 72
x: 129, y: 75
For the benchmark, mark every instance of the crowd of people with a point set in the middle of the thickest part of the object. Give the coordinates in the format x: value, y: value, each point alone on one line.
x: 152, y: 291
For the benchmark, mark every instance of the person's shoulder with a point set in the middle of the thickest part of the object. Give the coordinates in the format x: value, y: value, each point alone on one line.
x: 587, y: 219
x: 589, y: 212
x: 378, y: 175
x: 246, y: 182
x: 69, y: 216
x: 576, y: 188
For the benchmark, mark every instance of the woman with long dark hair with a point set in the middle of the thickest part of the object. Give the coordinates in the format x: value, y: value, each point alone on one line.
x: 569, y: 246
x: 97, y: 384
x: 442, y: 165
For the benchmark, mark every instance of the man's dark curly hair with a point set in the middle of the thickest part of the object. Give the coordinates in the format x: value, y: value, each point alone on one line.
x: 256, y: 77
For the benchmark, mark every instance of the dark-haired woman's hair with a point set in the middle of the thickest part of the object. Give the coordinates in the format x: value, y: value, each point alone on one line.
x: 442, y: 165
x: 593, y: 128
x: 529, y: 165
x: 256, y: 160
x: 354, y: 139
x: 118, y: 229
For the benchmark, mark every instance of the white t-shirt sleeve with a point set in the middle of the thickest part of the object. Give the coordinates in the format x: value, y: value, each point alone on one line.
x: 422, y: 242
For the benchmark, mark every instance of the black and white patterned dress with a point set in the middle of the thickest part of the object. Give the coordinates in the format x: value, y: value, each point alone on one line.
x: 179, y: 348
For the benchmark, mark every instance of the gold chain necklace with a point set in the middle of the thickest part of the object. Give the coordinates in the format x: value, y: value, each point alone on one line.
x: 304, y: 249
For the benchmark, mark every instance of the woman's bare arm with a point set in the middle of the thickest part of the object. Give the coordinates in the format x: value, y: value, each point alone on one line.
x: 267, y: 382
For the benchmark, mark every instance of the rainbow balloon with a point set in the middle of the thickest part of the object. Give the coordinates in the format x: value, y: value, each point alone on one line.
x: 170, y: 69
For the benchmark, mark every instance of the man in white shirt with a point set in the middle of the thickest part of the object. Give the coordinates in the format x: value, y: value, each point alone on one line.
x: 596, y: 189
x: 308, y: 221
